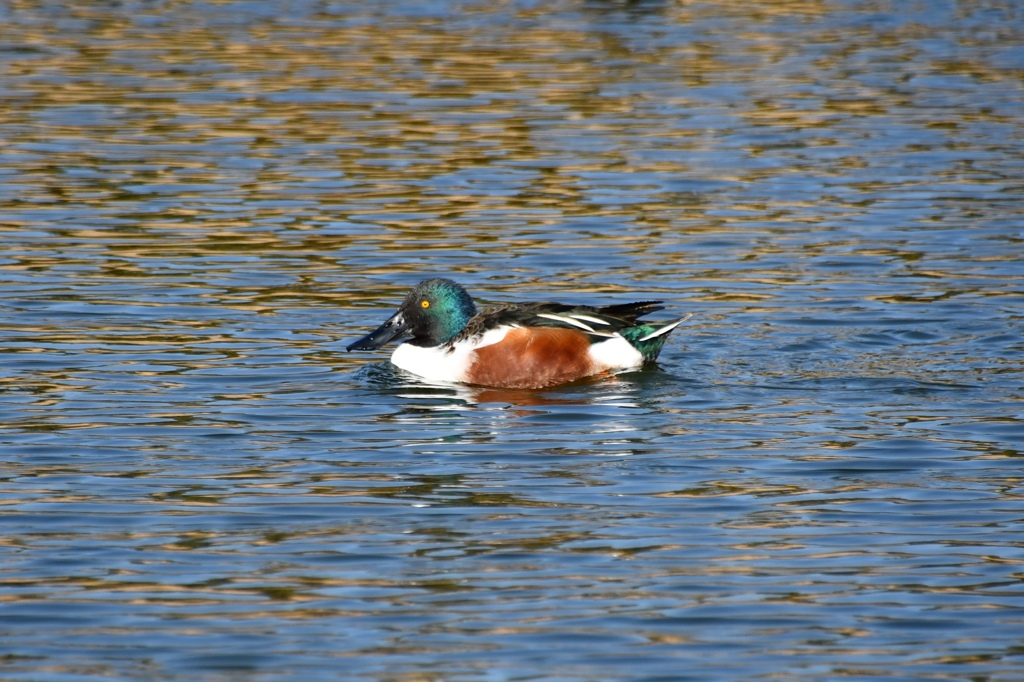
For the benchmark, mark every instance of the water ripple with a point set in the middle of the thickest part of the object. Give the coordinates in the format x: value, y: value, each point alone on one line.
x: 202, y: 203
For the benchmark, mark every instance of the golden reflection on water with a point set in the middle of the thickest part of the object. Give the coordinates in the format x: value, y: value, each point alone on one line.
x: 384, y: 112
x: 378, y: 100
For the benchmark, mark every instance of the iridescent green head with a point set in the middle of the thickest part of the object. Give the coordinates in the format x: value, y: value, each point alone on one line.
x: 432, y: 314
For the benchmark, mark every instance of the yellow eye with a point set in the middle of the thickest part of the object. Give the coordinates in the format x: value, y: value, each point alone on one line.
x: 425, y: 303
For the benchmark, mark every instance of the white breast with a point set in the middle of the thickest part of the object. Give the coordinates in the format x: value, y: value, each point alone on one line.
x: 441, y: 363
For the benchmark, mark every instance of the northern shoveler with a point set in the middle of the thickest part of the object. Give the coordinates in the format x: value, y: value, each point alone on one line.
x: 528, y: 345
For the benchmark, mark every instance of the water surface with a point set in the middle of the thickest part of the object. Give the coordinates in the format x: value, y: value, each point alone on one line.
x: 202, y: 203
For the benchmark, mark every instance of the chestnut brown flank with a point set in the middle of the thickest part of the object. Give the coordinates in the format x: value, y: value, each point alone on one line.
x: 533, y: 358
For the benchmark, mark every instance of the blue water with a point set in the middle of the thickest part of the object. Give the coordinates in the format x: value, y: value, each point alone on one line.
x: 201, y: 204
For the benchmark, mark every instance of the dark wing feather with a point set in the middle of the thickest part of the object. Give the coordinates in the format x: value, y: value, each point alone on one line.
x: 630, y: 312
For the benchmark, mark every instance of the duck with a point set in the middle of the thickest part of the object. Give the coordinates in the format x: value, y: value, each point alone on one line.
x: 517, y: 346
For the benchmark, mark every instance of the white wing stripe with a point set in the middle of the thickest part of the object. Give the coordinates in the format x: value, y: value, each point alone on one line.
x: 566, y: 320
x: 576, y: 323
x: 595, y: 320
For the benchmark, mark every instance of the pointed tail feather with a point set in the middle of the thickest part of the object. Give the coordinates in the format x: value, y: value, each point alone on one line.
x: 666, y: 329
x: 649, y: 339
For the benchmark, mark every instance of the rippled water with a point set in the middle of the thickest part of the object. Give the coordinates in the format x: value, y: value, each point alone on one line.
x: 201, y: 203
